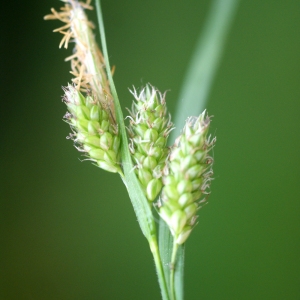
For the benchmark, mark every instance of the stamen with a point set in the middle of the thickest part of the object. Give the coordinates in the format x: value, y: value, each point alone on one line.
x: 113, y: 70
x: 69, y: 35
x: 86, y: 5
x: 60, y: 16
x: 65, y: 39
x: 75, y: 55
x: 62, y: 28
x: 87, y: 62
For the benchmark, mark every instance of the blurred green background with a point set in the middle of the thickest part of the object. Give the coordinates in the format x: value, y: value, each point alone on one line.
x: 68, y: 230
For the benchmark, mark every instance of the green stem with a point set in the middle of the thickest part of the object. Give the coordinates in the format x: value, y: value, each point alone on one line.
x: 172, y: 271
x: 140, y: 204
x: 159, y: 267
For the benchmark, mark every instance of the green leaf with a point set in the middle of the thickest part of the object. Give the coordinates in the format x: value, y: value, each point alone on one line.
x: 165, y: 248
x: 179, y: 272
x: 138, y: 199
x: 204, y: 62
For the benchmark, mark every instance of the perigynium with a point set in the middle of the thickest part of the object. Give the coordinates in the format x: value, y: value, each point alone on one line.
x: 149, y: 128
x: 89, y: 101
x: 93, y: 133
x: 187, y: 177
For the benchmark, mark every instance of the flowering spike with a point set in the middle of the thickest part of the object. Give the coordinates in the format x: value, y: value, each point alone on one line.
x: 187, y: 177
x: 149, y: 129
x: 87, y: 62
x: 91, y: 115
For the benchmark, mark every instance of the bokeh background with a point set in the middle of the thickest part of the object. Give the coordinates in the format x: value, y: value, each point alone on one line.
x: 68, y: 230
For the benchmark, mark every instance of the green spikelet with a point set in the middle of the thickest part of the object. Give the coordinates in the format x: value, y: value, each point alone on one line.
x: 187, y: 177
x: 149, y: 129
x: 93, y: 132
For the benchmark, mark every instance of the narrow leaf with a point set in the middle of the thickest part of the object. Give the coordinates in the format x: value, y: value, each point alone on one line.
x: 165, y: 248
x: 139, y: 202
x: 204, y: 63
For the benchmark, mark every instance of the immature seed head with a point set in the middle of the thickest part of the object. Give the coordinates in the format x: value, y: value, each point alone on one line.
x: 92, y: 132
x: 148, y: 130
x: 187, y: 177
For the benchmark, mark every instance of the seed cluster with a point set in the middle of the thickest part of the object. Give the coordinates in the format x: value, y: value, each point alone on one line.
x: 149, y: 129
x: 92, y: 130
x: 187, y: 177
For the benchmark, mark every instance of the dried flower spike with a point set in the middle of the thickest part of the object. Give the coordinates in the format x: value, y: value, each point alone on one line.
x: 149, y: 129
x: 187, y: 177
x: 87, y: 62
x: 92, y: 117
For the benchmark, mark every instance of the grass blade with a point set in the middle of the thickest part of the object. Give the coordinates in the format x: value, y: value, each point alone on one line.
x: 165, y: 248
x: 136, y: 194
x: 204, y: 62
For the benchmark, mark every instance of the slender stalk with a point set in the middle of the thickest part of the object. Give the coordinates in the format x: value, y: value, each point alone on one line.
x: 140, y: 203
x: 179, y: 272
x: 172, y: 271
x: 159, y: 267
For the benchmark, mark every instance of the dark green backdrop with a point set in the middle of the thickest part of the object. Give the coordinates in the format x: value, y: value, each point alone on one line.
x: 68, y: 230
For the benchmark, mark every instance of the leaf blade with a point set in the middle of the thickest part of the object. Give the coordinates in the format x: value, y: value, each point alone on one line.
x: 204, y: 62
x: 139, y: 202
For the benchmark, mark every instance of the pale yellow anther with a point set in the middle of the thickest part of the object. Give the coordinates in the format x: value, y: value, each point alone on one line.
x: 71, y: 57
x: 62, y: 28
x: 86, y: 5
x: 65, y: 40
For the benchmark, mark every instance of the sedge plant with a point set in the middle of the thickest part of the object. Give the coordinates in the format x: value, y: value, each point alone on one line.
x: 165, y: 182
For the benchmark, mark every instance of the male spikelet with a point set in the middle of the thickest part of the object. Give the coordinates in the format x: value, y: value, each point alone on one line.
x: 149, y: 129
x: 91, y: 116
x: 187, y: 177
